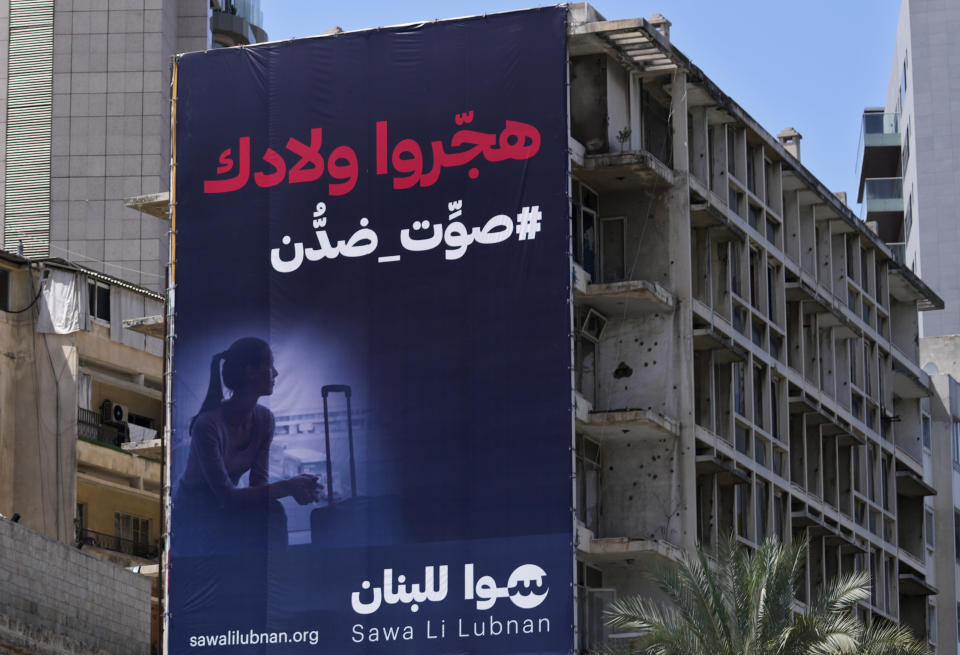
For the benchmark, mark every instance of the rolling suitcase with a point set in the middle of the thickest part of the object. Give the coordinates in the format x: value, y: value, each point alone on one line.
x: 357, y: 520
x: 326, y: 390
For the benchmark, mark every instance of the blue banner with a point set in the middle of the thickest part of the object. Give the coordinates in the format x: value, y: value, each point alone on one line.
x: 372, y: 425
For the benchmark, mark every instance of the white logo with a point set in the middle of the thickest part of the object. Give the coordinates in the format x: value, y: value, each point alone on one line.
x: 522, y: 587
x: 526, y: 588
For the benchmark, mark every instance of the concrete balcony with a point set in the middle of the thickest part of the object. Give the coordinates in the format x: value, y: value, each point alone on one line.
x: 631, y: 169
x: 111, y: 468
x: 645, y: 553
x: 233, y: 29
x: 909, y: 380
x: 880, y: 144
x: 626, y: 425
x: 911, y: 484
x: 621, y: 300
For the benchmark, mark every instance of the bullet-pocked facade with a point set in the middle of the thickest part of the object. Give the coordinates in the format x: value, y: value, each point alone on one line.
x: 746, y: 347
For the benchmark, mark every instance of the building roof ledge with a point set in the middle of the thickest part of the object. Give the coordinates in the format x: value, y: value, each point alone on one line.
x: 154, y: 204
x: 907, y: 285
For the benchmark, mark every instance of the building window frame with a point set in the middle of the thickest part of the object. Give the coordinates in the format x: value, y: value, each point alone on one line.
x: 99, y: 297
x: 955, y: 439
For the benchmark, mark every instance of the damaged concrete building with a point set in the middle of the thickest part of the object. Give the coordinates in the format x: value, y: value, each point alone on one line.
x: 746, y: 347
x: 79, y: 461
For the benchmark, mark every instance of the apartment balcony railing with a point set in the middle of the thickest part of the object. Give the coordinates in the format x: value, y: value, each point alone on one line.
x: 90, y: 426
x: 116, y: 544
x: 88, y: 423
x: 248, y: 10
x: 881, y: 129
x: 883, y: 194
x: 883, y: 205
x: 879, y: 148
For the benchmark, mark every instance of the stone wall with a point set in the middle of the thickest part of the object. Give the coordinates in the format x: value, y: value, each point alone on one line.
x: 57, y: 600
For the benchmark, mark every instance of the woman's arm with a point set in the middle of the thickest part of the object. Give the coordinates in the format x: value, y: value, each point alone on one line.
x: 209, y: 451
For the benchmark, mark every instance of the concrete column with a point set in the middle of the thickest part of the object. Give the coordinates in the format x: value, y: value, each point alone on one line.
x: 718, y: 163
x: 636, y: 125
x: 701, y: 154
x: 678, y: 208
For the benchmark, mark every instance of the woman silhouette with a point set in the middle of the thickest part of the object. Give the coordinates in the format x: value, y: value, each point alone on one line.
x: 232, y: 437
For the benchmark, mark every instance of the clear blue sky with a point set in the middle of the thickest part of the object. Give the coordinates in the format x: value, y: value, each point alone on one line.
x: 812, y: 64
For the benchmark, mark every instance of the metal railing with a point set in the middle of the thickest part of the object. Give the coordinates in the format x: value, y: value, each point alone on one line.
x: 883, y: 188
x: 90, y: 425
x: 877, y: 123
x: 87, y: 537
x: 249, y: 10
x: 882, y: 195
x: 877, y: 129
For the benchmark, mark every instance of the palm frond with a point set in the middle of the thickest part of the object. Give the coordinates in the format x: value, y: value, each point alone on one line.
x: 744, y: 606
x: 885, y: 638
x: 843, y: 593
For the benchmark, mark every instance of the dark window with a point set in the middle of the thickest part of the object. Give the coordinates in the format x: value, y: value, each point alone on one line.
x: 774, y: 409
x: 771, y: 278
x: 742, y: 502
x: 612, y: 254
x: 751, y: 174
x: 772, y: 228
x: 905, y: 156
x: 4, y: 289
x: 584, y: 207
x: 99, y: 301
x: 731, y: 151
x: 739, y: 389
x: 657, y: 132
x: 762, y: 495
x: 956, y: 536
x: 758, y: 388
x: 753, y: 216
x: 735, y: 270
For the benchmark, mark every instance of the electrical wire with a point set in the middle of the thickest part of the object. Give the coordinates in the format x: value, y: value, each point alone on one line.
x: 32, y: 303
x: 88, y: 258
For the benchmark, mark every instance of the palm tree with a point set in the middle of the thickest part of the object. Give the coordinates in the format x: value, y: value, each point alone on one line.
x: 743, y: 607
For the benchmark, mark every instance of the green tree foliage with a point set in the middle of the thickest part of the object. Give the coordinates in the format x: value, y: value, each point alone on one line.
x: 743, y: 606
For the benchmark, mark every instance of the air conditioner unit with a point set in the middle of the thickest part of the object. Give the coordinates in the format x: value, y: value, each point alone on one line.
x: 113, y: 412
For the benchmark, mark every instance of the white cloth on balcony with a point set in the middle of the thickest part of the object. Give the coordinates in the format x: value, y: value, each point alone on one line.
x: 60, y: 303
x: 139, y: 433
x: 84, y: 391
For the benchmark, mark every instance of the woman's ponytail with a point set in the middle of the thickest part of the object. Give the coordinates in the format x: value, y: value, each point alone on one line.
x: 242, y: 353
x: 214, y: 395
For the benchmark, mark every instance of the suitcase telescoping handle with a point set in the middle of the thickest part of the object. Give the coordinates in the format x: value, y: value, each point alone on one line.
x: 326, y: 390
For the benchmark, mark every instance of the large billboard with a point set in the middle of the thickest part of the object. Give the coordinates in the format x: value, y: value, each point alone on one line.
x: 372, y: 430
